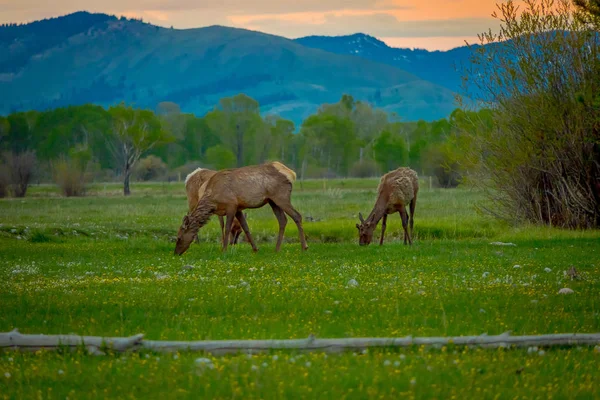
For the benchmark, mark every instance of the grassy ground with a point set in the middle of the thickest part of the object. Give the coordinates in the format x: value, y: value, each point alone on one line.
x: 103, y: 265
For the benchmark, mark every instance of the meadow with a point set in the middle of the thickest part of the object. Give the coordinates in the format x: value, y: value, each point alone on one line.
x: 103, y: 265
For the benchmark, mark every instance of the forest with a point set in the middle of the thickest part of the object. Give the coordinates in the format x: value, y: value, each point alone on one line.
x: 75, y: 145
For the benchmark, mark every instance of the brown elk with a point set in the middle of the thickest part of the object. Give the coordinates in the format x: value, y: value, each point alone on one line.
x: 228, y: 192
x: 397, y: 190
x: 193, y: 183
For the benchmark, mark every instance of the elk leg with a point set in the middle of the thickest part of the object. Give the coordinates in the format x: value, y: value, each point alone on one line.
x: 222, y: 228
x: 282, y: 219
x: 234, y: 232
x: 242, y: 219
x: 413, y: 204
x: 295, y: 215
x: 383, y: 226
x: 404, y: 216
x: 237, y: 237
x: 228, y: 225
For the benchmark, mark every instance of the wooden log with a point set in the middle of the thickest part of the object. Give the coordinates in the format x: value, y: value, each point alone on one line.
x: 94, y: 344
x: 344, y: 344
x: 18, y: 341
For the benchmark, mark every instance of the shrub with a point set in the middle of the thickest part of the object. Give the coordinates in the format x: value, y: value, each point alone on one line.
x: 20, y: 171
x: 364, y: 169
x: 70, y: 173
x: 39, y: 237
x: 4, y: 180
x: 150, y: 168
x: 448, y: 177
x: 539, y: 74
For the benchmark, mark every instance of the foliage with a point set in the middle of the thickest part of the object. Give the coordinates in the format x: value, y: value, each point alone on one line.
x: 71, y: 172
x: 390, y: 151
x: 134, y: 132
x: 590, y: 10
x: 342, y: 139
x: 541, y: 161
x: 220, y: 157
x: 150, y: 168
x: 331, y: 142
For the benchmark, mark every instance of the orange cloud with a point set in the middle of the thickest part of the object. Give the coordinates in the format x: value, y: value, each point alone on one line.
x: 401, y: 10
x: 157, y: 15
x: 442, y: 9
x: 315, y: 18
x: 151, y: 15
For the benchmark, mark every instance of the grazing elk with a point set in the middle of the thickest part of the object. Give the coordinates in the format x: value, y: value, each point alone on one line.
x: 397, y: 190
x: 193, y: 183
x: 228, y: 192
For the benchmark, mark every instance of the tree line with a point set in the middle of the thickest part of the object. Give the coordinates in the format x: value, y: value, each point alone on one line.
x: 74, y: 145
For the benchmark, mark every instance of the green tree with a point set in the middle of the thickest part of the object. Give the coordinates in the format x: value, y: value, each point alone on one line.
x: 61, y: 129
x: 238, y: 120
x: 198, y: 137
x: 390, y: 151
x: 331, y: 140
x: 20, y: 134
x: 4, y: 130
x: 134, y: 132
x: 280, y: 135
x: 220, y: 157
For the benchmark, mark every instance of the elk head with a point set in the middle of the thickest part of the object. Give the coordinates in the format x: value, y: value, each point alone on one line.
x: 185, y: 236
x: 365, y: 231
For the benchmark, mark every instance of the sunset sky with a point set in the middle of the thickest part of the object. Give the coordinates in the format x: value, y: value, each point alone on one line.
x: 430, y: 24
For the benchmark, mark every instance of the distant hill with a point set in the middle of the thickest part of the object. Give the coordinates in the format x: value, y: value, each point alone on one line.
x: 439, y: 67
x: 83, y: 57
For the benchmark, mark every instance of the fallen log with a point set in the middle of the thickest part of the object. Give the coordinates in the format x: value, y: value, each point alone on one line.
x: 17, y: 341
x: 94, y: 344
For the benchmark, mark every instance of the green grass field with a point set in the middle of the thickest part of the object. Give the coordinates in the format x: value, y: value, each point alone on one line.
x: 104, y: 265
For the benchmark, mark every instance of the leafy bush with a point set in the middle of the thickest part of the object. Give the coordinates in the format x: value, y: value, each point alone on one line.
x: 70, y: 173
x: 150, y: 168
x: 541, y: 162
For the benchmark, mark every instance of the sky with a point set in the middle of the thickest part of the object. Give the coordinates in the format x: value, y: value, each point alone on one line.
x: 429, y: 24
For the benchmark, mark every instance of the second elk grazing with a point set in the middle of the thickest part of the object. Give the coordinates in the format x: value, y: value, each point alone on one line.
x: 229, y: 192
x: 193, y: 184
x: 397, y: 191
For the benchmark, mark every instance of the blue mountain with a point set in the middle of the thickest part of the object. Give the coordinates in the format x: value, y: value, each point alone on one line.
x: 98, y: 58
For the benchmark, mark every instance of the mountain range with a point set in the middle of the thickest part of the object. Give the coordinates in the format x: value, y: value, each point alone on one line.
x: 98, y: 58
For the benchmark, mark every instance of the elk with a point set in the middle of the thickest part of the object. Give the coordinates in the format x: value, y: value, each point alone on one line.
x: 229, y: 192
x: 193, y: 183
x: 397, y: 190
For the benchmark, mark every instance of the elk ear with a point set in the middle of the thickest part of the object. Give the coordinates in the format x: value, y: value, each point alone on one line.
x: 357, y: 226
x: 362, y: 220
x: 185, y: 222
